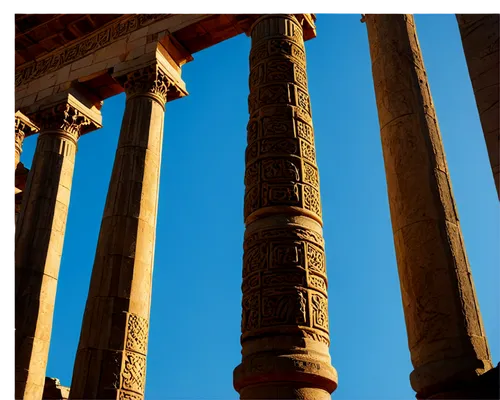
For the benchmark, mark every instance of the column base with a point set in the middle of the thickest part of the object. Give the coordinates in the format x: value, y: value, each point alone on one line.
x: 268, y: 375
x: 481, y: 387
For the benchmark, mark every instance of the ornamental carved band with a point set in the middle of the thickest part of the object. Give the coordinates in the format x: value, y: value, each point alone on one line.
x: 151, y: 80
x: 281, y: 171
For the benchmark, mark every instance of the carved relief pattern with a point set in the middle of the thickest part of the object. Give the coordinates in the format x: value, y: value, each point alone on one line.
x: 284, y: 282
x: 279, y: 133
x: 284, y: 275
x: 130, y: 396
x: 137, y: 334
x: 63, y: 117
x: 148, y: 80
x: 23, y: 128
x: 84, y: 47
x: 134, y: 372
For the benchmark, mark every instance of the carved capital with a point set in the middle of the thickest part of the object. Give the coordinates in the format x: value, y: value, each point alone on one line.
x: 24, y: 127
x: 69, y: 112
x: 151, y: 80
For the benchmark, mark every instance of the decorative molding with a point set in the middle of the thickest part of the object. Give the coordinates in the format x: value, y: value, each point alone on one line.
x: 24, y: 127
x: 85, y: 46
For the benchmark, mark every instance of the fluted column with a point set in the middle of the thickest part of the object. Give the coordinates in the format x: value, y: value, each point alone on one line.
x: 111, y: 357
x: 40, y: 235
x: 285, y: 333
x: 480, y: 39
x: 446, y: 336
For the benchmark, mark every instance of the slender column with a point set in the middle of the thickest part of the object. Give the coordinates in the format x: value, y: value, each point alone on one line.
x: 285, y: 333
x: 24, y: 127
x: 39, y: 239
x: 445, y: 332
x: 481, y: 42
x: 111, y: 357
x: 21, y: 127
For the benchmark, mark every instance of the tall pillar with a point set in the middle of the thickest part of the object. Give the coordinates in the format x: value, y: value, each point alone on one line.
x: 111, y: 357
x: 285, y: 334
x: 446, y: 336
x: 21, y: 127
x: 40, y: 235
x: 480, y: 39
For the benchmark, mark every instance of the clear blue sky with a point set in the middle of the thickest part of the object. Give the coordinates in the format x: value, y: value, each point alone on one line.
x: 195, y: 315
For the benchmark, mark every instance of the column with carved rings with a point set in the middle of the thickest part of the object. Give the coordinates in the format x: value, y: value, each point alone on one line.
x: 40, y: 236
x: 111, y: 357
x: 285, y: 333
x: 22, y: 126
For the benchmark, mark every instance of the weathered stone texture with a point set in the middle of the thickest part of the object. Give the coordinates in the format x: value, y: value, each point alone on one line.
x: 39, y: 242
x: 111, y: 357
x: 285, y: 332
x: 445, y: 333
x: 481, y: 41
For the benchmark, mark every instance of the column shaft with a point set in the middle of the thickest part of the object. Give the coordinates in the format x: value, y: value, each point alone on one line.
x: 39, y: 243
x: 445, y: 332
x: 480, y: 39
x: 111, y: 357
x: 285, y: 333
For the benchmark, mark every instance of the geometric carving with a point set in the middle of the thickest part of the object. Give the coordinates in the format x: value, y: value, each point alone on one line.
x: 130, y: 396
x: 86, y: 46
x: 315, y: 259
x: 319, y: 311
x: 134, y: 371
x: 137, y: 334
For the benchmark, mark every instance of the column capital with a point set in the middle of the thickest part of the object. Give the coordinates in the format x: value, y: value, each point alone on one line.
x: 69, y: 112
x: 24, y: 127
x: 151, y: 75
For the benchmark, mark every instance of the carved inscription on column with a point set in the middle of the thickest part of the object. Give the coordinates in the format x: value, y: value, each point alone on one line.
x: 284, y: 282
x: 280, y: 157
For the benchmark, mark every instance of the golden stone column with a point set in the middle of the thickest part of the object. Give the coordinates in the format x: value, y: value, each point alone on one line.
x: 285, y: 334
x: 40, y: 235
x: 111, y: 357
x: 24, y: 127
x: 481, y: 42
x: 446, y: 336
x: 21, y: 126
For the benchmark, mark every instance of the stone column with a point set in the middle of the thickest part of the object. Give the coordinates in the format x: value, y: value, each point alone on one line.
x: 445, y: 332
x: 481, y: 42
x: 285, y: 334
x: 111, y: 357
x: 40, y: 235
x: 21, y: 127
x: 24, y: 127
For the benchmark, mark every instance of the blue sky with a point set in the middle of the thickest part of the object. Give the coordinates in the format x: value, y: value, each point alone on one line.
x: 195, y: 315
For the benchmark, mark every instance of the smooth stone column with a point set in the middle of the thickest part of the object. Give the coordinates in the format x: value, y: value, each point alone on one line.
x: 445, y: 332
x: 480, y: 39
x: 285, y: 332
x: 111, y: 357
x: 40, y: 236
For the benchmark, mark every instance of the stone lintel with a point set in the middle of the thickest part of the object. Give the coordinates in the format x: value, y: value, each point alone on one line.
x: 159, y: 56
x: 73, y: 97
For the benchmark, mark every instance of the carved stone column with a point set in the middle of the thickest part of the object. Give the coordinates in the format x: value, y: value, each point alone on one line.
x: 285, y: 333
x: 480, y: 39
x: 24, y: 127
x: 40, y: 235
x: 446, y: 336
x: 21, y: 127
x: 111, y: 357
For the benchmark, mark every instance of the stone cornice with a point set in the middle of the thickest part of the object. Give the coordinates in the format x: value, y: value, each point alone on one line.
x: 87, y: 45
